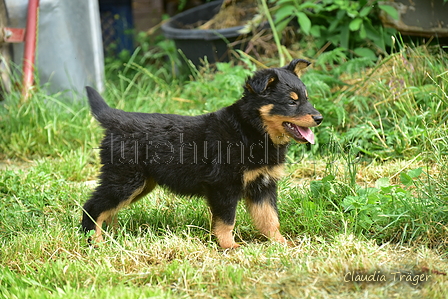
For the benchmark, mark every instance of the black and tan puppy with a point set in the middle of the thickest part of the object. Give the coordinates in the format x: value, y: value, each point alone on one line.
x: 236, y: 152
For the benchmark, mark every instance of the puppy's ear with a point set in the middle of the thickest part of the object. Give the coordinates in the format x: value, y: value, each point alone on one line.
x: 297, y: 65
x: 261, y: 81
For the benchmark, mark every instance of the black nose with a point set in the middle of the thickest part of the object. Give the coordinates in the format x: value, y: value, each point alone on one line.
x: 318, y: 118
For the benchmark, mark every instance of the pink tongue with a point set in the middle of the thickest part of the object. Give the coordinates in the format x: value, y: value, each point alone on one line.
x: 307, y: 134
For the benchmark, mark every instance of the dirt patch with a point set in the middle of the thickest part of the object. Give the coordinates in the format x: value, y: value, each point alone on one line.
x: 15, y: 165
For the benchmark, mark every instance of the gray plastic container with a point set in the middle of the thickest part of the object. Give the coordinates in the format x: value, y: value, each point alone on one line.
x: 69, y: 52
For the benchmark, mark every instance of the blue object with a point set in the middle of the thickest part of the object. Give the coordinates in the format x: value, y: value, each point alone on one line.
x: 117, y: 25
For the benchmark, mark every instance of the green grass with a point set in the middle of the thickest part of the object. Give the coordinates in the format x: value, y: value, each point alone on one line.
x: 371, y: 195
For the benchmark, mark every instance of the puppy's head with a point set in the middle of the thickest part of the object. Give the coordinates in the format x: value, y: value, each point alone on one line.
x: 282, y: 102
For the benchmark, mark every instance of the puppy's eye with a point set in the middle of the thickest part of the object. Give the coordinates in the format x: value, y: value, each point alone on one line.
x: 293, y: 103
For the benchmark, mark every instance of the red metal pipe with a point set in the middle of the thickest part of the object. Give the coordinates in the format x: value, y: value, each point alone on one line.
x: 30, y: 46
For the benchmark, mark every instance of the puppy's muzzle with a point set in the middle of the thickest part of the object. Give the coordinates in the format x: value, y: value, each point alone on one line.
x: 318, y: 119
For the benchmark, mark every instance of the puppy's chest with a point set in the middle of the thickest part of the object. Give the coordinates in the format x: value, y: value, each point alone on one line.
x: 262, y: 176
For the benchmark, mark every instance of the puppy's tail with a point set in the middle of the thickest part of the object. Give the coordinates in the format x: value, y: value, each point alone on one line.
x: 97, y: 103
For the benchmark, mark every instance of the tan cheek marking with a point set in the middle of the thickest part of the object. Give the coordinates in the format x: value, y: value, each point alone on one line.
x: 294, y: 96
x: 274, y: 125
x: 266, y: 220
x: 223, y: 233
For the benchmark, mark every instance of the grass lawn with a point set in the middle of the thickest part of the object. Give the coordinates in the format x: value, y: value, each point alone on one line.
x: 365, y: 209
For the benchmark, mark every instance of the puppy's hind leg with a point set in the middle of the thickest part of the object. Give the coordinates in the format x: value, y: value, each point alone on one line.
x: 108, y: 198
x: 112, y: 220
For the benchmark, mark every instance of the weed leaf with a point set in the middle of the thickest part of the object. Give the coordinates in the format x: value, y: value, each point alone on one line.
x: 304, y: 22
x: 415, y: 173
x: 283, y: 13
x: 406, y: 179
x: 328, y: 178
x: 365, y: 11
x: 382, y: 183
x: 365, y: 52
x: 355, y: 24
x: 390, y: 10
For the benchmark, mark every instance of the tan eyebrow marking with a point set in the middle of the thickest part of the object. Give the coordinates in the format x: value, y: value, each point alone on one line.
x: 294, y: 96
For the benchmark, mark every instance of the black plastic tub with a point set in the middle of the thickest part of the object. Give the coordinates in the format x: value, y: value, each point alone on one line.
x: 198, y: 43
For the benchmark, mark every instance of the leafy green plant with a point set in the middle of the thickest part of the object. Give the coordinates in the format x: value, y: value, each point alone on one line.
x: 352, y: 27
x: 383, y: 211
x: 384, y: 203
x: 408, y: 110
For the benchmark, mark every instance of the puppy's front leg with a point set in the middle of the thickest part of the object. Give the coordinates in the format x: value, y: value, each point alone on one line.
x: 262, y: 206
x: 224, y: 233
x: 223, y: 207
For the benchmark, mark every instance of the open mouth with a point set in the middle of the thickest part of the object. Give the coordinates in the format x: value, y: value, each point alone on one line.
x: 300, y: 134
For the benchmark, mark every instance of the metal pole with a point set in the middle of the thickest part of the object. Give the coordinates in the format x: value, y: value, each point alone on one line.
x: 30, y: 47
